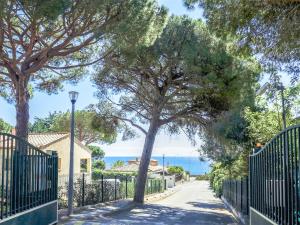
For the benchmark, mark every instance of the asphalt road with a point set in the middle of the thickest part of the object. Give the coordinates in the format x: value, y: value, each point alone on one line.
x: 194, y: 203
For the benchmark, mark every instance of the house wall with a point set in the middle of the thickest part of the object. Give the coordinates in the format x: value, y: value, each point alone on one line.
x: 63, y: 150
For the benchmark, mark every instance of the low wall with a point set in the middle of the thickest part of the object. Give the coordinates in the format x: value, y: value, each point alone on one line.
x: 42, y: 215
x: 256, y: 218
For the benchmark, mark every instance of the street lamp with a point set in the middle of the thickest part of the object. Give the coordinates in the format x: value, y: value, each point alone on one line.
x: 73, y: 97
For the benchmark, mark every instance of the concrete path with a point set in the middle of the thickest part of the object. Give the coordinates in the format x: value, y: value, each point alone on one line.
x: 194, y: 203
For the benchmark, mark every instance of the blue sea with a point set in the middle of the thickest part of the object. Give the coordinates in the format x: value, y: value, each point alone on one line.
x: 191, y: 164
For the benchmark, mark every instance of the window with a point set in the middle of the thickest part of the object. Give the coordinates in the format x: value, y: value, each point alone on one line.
x: 83, y: 165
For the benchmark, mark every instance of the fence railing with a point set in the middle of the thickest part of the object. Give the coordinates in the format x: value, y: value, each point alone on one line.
x: 28, y: 176
x: 88, y: 191
x: 274, y: 178
x: 236, y: 193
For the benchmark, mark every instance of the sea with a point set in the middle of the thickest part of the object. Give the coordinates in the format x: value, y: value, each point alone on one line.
x: 191, y: 164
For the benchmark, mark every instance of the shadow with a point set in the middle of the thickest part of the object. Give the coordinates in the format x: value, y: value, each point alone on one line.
x: 211, y: 206
x: 204, y: 213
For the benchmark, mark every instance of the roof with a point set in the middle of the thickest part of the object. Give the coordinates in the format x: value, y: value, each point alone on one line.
x: 135, y: 168
x: 41, y: 140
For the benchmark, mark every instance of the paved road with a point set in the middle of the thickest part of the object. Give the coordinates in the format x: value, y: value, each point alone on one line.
x: 194, y: 203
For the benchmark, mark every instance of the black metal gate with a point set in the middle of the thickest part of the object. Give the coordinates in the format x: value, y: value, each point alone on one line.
x: 274, y: 179
x: 28, y: 177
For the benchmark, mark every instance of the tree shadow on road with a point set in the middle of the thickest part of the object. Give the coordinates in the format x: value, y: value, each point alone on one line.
x: 211, y: 206
x: 206, y: 213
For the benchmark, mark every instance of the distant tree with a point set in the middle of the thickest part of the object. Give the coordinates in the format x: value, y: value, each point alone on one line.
x: 97, y: 152
x: 269, y: 28
x: 98, y: 164
x: 43, y: 125
x: 84, y: 130
x: 117, y: 164
x: 182, y: 82
x: 176, y: 170
x: 5, y: 127
x: 43, y: 43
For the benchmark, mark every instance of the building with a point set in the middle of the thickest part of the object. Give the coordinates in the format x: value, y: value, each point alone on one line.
x: 133, y: 166
x: 60, y: 143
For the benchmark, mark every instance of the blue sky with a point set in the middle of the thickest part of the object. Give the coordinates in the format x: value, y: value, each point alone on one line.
x: 41, y: 104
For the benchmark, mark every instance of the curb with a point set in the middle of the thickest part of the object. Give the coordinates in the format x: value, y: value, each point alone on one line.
x: 62, y: 214
x: 156, y: 197
x: 128, y: 207
x: 237, y: 215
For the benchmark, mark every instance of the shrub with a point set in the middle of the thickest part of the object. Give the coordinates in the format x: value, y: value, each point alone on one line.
x: 203, y: 177
x: 97, y: 174
x: 177, y: 170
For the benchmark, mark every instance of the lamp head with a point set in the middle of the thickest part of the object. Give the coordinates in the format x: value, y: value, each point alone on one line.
x: 73, y: 96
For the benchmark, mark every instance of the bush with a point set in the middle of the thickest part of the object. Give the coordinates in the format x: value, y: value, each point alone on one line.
x: 177, y: 170
x: 97, y: 174
x: 203, y: 177
x: 99, y: 164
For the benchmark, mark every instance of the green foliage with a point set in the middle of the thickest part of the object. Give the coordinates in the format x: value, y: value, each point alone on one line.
x: 186, y: 72
x: 84, y: 129
x: 99, y: 165
x: 270, y: 28
x: 47, y: 42
x: 5, y: 127
x: 234, y: 169
x: 203, y: 177
x: 263, y: 125
x: 97, y: 152
x: 117, y: 164
x: 97, y: 174
x: 177, y: 170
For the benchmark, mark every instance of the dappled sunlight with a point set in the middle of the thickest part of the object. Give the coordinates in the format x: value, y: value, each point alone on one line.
x: 203, y: 213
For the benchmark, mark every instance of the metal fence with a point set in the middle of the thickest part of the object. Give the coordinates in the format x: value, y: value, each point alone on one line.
x: 28, y: 176
x: 236, y: 193
x: 88, y: 191
x: 274, y: 178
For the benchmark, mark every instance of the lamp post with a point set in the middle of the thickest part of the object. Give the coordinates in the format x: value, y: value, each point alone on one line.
x: 73, y: 97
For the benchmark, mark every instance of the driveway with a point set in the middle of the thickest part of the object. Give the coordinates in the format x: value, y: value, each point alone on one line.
x: 194, y: 203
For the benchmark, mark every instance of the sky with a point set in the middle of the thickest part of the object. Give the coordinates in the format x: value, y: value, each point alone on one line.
x: 41, y: 104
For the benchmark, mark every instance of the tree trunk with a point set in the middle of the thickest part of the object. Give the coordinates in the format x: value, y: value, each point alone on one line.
x: 22, y: 108
x: 144, y: 163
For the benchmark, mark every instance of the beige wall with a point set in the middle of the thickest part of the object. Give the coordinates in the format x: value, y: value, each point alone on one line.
x: 63, y: 150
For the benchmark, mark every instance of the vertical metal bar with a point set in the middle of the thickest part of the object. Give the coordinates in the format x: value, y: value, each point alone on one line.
x: 291, y: 152
x: 19, y: 165
x: 2, y: 180
x: 271, y: 179
x: 11, y: 174
x: 7, y: 170
x: 297, y: 158
x: 83, y: 189
x: 38, y: 177
x: 102, y: 188
x: 279, y: 180
x: 115, y: 187
x: 35, y: 177
x: 25, y: 173
x: 282, y: 179
x: 274, y: 179
x: 126, y: 187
